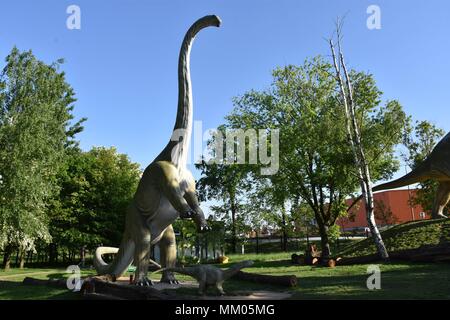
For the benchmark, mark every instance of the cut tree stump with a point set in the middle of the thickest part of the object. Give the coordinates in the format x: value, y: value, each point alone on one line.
x: 331, y: 263
x: 285, y: 281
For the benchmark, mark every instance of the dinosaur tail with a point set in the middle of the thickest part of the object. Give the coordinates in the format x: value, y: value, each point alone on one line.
x: 123, y: 259
x: 185, y: 271
x: 415, y: 176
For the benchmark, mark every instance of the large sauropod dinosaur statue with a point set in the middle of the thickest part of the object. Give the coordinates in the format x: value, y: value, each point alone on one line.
x: 435, y: 167
x: 210, y: 276
x: 166, y: 190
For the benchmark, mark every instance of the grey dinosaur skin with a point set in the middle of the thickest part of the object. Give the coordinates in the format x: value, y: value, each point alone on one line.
x: 435, y: 167
x: 165, y: 192
x: 210, y: 276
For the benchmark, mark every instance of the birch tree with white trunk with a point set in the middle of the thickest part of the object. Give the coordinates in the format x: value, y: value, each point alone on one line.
x: 354, y: 139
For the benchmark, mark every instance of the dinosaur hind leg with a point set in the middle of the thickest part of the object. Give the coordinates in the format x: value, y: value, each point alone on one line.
x: 441, y: 200
x: 142, y: 240
x: 168, y: 250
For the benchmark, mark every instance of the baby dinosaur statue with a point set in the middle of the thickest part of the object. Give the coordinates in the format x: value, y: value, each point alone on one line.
x: 209, y: 275
x: 435, y: 167
x: 165, y: 192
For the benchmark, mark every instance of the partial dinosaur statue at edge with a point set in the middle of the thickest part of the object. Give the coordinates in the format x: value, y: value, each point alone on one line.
x: 435, y: 167
x: 165, y: 192
x: 209, y: 275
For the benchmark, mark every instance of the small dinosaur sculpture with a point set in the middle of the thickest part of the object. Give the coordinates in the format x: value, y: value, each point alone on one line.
x: 166, y: 190
x: 209, y: 275
x: 435, y: 167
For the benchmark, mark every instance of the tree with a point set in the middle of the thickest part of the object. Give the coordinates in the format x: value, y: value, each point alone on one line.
x: 419, y: 141
x: 316, y: 162
x: 96, y: 189
x: 384, y: 213
x: 354, y: 139
x: 36, y: 105
x: 227, y: 183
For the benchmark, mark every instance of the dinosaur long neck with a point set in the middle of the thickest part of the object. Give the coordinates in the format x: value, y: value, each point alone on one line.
x: 183, y: 124
x: 177, y: 149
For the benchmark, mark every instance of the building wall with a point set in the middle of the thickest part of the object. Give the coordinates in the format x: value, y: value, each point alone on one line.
x: 395, y: 200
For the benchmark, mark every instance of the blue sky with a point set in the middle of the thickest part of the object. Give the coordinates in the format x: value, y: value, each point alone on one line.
x: 123, y: 62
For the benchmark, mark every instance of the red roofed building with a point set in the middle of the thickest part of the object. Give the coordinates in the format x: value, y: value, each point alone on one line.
x: 391, y: 207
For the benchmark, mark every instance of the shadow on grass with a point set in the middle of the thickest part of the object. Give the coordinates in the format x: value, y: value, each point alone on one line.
x: 415, y: 281
x: 12, y: 290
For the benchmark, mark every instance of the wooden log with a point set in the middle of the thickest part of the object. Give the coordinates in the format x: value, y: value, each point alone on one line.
x: 297, y: 259
x: 58, y: 283
x: 358, y: 260
x: 123, y: 291
x: 285, y: 281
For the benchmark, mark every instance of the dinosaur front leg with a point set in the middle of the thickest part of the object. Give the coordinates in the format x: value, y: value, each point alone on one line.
x: 168, y: 251
x: 199, y: 216
x: 441, y: 200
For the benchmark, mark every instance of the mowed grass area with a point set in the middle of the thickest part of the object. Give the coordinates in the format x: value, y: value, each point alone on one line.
x: 11, y: 286
x: 409, y: 235
x: 398, y: 281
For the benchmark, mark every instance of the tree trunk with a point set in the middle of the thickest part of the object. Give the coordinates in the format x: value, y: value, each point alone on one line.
x: 354, y: 139
x: 17, y: 258
x: 233, y: 224
x: 51, y: 253
x: 28, y: 257
x: 324, y: 240
x: 7, y: 257
x: 283, y: 215
x: 83, y: 256
x: 197, y: 247
x: 22, y: 255
x: 257, y: 242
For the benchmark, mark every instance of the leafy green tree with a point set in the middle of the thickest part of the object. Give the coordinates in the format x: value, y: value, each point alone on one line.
x: 36, y: 105
x: 97, y: 187
x: 316, y: 163
x: 419, y: 141
x: 226, y: 183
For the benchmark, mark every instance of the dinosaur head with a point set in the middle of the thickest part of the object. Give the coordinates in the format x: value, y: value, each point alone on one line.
x: 213, y: 20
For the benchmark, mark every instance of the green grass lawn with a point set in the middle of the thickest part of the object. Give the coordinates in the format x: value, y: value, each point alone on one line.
x: 398, y: 281
x: 11, y: 284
